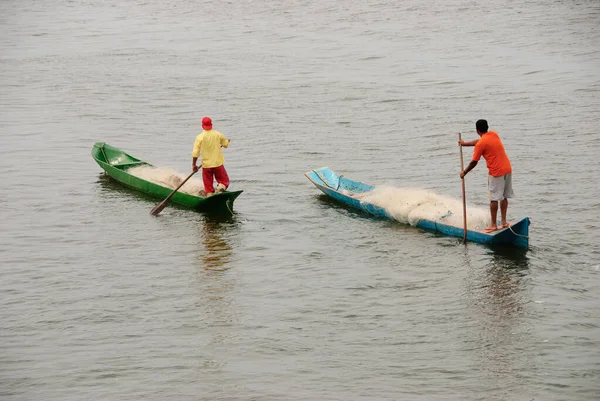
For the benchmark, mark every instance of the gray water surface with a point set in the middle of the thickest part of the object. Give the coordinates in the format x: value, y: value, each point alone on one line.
x: 295, y: 297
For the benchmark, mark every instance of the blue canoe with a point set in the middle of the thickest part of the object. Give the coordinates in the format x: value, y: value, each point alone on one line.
x: 333, y: 185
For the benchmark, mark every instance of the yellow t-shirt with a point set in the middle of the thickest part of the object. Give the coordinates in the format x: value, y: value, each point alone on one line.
x: 209, y: 143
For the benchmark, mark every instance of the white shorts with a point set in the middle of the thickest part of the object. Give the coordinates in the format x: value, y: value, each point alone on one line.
x: 500, y: 188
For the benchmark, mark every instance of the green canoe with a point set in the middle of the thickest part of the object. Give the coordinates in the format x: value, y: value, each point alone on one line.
x: 116, y: 163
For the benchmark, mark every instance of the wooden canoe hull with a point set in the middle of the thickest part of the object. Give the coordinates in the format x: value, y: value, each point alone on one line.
x: 331, y: 184
x: 115, y: 163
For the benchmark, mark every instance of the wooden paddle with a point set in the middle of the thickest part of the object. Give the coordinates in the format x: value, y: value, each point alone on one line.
x: 464, y: 197
x: 158, y: 208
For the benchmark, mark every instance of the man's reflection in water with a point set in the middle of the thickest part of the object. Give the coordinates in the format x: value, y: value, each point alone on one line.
x: 218, y: 319
x: 216, y: 236
x: 497, y: 294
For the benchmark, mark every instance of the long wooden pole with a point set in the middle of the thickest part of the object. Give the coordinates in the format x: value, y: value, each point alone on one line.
x: 464, y: 196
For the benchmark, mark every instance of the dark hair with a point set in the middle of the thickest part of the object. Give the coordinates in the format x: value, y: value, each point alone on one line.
x: 481, y: 126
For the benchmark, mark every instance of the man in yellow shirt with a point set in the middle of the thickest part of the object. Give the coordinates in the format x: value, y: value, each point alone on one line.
x: 209, y: 144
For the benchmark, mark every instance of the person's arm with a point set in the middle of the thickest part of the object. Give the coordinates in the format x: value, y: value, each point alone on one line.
x: 468, y: 143
x: 196, y: 153
x: 470, y: 167
x: 225, y: 141
x: 477, y: 152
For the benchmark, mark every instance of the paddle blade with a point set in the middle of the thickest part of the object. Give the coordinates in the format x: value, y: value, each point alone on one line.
x: 158, y: 208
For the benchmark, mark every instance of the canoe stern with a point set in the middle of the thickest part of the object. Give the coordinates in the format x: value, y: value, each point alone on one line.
x: 516, y: 235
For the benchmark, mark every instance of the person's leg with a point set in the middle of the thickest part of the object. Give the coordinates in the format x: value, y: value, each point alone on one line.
x: 508, y: 193
x: 503, y: 209
x: 496, y: 190
x: 221, y: 177
x: 207, y: 178
x: 494, y: 215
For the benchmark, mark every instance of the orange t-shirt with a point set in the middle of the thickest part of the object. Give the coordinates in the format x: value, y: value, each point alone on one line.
x: 491, y: 148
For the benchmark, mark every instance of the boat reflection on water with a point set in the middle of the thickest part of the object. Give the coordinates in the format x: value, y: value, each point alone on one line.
x: 215, y: 287
x: 504, y: 283
x: 497, y: 295
x: 217, y: 232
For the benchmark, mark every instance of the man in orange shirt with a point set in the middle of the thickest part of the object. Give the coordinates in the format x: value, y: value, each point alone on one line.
x: 500, y: 171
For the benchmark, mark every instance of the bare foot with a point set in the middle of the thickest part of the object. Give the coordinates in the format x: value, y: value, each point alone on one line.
x: 505, y: 225
x: 490, y: 229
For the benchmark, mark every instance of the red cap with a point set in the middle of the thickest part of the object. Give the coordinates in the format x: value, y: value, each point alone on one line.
x: 206, y: 123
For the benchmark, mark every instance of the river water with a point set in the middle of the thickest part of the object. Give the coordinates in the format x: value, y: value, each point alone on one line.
x: 295, y: 297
